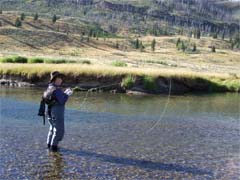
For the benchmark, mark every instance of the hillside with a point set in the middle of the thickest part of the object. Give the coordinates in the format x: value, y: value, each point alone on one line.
x: 140, y: 16
x: 70, y: 39
x: 103, y: 32
x: 191, y: 41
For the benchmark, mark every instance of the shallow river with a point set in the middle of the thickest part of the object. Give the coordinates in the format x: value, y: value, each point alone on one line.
x: 122, y: 137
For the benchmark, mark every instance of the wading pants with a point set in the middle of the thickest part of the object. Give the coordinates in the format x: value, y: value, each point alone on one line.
x: 56, y: 122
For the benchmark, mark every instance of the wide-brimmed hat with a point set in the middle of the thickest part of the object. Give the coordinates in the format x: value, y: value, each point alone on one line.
x: 56, y: 74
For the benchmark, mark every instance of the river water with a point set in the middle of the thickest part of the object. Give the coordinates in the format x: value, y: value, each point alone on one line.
x: 122, y: 137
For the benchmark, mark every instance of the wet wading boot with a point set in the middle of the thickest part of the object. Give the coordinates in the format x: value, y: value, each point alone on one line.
x: 53, y: 148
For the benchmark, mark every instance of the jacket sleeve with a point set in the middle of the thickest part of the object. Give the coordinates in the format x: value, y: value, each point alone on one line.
x: 60, y: 96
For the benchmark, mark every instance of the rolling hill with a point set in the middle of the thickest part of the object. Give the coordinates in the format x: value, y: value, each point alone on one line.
x: 140, y: 16
x: 105, y: 32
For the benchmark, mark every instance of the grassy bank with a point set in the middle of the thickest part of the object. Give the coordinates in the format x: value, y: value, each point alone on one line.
x: 29, y: 60
x: 216, y: 82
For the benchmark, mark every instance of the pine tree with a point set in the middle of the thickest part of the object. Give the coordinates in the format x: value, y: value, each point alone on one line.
x: 236, y: 40
x: 223, y: 35
x: 90, y: 33
x: 88, y: 39
x: 117, y: 45
x: 183, y: 47
x: 153, y: 44
x: 213, y: 49
x: 22, y: 17
x: 81, y: 38
x: 178, y: 42
x: 18, y: 23
x: 35, y: 18
x: 198, y: 34
x: 137, y: 44
x: 194, y: 47
x: 54, y: 18
x: 215, y: 35
x: 180, y: 31
x: 141, y: 46
x: 232, y: 45
x: 190, y: 34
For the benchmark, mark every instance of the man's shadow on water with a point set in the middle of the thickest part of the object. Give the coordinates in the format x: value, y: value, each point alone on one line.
x: 144, y: 164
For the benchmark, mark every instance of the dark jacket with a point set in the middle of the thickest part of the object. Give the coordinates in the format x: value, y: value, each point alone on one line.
x: 60, y: 97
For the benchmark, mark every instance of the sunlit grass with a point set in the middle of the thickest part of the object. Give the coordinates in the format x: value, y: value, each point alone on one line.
x: 219, y: 82
x: 79, y: 69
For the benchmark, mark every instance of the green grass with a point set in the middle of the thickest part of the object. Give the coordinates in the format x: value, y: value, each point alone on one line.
x: 20, y: 59
x: 14, y: 59
x: 232, y: 85
x: 85, y: 62
x: 55, y: 61
x: 6, y: 60
x: 128, y: 81
x: 213, y: 82
x: 119, y: 64
x: 149, y: 83
x: 35, y: 60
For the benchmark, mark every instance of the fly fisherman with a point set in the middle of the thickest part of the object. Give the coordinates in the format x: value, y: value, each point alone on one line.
x: 56, y: 98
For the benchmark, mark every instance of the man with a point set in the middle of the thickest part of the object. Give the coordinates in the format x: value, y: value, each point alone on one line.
x: 56, y: 99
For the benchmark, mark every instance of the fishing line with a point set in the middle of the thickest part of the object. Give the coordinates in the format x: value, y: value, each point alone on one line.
x: 164, y: 109
x: 162, y: 114
x: 85, y: 98
x: 94, y: 89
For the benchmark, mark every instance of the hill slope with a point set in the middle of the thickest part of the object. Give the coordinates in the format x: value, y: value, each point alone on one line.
x: 140, y: 16
x: 69, y: 39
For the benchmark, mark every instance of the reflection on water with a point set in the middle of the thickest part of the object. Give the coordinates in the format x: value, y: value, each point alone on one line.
x: 56, y: 168
x: 225, y: 104
x: 107, y: 138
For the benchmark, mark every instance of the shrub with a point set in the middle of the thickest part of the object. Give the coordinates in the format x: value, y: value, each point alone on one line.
x: 35, y: 17
x: 35, y: 60
x: 137, y: 44
x: 20, y: 59
x: 213, y: 49
x: 194, y: 47
x: 215, y: 35
x: 18, y: 23
x: 183, y: 46
x: 54, y: 18
x: 178, y: 42
x: 55, y: 61
x: 149, y: 83
x: 71, y: 61
x: 22, y: 17
x: 153, y: 45
x: 17, y: 59
x: 6, y: 60
x: 119, y: 64
x: 86, y: 62
x: 128, y: 81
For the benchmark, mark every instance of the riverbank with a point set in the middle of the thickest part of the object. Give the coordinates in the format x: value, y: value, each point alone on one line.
x: 119, y: 79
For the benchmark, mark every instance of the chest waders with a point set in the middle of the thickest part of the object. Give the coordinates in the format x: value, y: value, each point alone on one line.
x: 55, y: 100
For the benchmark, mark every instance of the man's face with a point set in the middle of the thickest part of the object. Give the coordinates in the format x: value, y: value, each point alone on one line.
x: 58, y: 81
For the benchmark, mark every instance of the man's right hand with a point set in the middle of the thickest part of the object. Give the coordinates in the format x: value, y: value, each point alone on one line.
x: 68, y: 91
